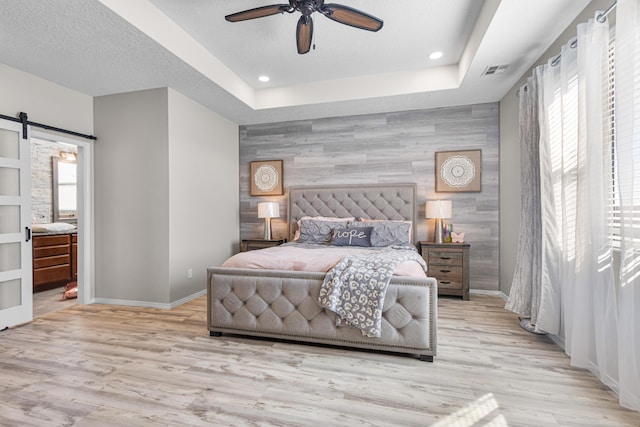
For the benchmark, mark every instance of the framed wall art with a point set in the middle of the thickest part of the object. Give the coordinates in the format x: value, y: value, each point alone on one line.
x: 458, y: 171
x: 266, y: 178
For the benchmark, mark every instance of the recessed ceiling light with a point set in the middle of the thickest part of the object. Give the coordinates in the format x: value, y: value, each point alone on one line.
x: 263, y: 79
x: 435, y: 55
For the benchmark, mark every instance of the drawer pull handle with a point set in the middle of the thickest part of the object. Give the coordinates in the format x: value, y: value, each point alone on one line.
x: 445, y: 257
x: 445, y: 282
x: 445, y: 271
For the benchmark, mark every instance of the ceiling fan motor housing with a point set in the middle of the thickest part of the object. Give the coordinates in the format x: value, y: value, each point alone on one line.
x: 307, y: 7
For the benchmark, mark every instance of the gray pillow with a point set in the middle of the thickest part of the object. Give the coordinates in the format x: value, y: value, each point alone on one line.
x: 359, y: 236
x: 387, y: 233
x: 316, y: 231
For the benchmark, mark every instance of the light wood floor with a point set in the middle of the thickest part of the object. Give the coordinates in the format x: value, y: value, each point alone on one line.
x: 49, y: 301
x: 105, y: 365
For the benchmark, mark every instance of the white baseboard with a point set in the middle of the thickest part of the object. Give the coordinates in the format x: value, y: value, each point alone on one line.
x: 188, y: 298
x: 488, y: 292
x: 147, y: 304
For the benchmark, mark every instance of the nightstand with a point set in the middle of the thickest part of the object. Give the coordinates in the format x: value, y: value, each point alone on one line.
x: 253, y: 244
x: 449, y: 264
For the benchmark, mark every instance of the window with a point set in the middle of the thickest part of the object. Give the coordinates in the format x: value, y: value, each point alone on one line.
x: 618, y: 183
x: 614, y: 211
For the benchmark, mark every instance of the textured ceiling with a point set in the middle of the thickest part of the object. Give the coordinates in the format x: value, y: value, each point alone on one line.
x: 100, y: 47
x: 267, y: 45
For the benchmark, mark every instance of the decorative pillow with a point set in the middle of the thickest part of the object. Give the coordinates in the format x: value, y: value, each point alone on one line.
x: 387, y: 232
x: 360, y: 236
x: 321, y: 218
x: 318, y: 231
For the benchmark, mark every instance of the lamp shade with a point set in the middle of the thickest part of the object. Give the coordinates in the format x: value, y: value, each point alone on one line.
x: 438, y: 209
x: 268, y: 210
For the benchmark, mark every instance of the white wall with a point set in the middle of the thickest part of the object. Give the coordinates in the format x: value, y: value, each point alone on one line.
x: 132, y: 197
x: 203, y: 202
x: 44, y: 102
x: 166, y: 196
x: 137, y: 189
x: 510, y: 152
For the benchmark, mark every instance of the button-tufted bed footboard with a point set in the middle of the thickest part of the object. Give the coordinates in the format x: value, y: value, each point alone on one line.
x: 283, y: 304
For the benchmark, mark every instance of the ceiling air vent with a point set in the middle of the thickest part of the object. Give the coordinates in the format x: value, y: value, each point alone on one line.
x: 494, y: 69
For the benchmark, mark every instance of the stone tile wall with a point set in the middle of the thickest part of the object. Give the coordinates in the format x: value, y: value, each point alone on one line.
x: 42, y: 178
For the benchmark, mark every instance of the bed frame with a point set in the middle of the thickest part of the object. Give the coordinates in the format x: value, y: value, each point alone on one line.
x: 282, y: 304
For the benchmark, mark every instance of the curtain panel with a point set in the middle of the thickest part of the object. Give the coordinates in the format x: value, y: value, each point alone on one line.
x: 565, y: 281
x: 627, y: 108
x: 524, y: 297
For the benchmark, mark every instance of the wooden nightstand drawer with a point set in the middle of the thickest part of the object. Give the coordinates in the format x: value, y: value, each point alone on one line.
x: 445, y: 272
x: 449, y: 284
x: 449, y: 264
x: 445, y: 258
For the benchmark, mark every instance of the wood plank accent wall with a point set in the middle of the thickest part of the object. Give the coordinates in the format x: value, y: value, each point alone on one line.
x: 386, y: 148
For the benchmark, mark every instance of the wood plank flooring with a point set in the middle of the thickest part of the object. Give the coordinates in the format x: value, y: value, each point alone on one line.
x: 50, y: 300
x: 107, y: 365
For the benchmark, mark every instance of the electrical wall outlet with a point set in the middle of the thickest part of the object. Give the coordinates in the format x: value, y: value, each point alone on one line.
x: 190, y: 273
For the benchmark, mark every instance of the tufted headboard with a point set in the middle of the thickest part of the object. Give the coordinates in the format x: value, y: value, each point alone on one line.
x: 378, y: 201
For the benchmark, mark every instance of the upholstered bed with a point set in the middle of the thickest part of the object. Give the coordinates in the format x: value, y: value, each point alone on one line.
x: 284, y: 304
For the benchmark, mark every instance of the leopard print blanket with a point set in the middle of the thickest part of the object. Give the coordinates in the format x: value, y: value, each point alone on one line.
x: 355, y: 288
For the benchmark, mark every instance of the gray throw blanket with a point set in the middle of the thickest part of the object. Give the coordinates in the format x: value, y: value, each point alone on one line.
x: 355, y: 288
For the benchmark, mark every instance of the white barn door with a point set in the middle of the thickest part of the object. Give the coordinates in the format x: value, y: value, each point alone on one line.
x: 16, y: 292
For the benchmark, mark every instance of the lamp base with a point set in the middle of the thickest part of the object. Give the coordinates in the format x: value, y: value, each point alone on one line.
x: 437, y: 232
x: 267, y: 229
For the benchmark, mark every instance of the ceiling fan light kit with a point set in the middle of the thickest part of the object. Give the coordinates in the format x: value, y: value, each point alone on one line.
x: 304, y: 31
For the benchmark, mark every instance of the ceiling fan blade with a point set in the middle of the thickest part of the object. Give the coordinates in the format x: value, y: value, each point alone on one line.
x: 258, y: 12
x: 304, y: 34
x: 353, y: 17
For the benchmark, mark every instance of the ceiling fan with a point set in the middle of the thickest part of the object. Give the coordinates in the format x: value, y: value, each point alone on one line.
x: 304, y: 31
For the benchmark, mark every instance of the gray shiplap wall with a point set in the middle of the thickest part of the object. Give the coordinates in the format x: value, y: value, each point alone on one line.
x: 386, y: 148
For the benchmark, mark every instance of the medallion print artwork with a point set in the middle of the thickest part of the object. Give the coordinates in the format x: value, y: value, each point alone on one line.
x: 266, y: 178
x: 458, y: 171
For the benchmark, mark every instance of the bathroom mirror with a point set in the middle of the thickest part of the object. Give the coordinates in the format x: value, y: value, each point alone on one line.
x: 65, y: 190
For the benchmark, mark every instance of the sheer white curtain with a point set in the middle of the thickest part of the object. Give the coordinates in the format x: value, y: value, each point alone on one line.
x: 583, y: 296
x: 578, y: 289
x: 627, y: 108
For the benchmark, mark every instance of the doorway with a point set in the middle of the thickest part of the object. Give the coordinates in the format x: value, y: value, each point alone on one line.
x: 61, y: 200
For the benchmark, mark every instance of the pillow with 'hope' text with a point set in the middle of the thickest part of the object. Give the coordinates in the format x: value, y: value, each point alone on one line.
x: 352, y: 237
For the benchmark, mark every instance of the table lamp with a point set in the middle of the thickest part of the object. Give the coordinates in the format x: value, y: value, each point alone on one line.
x: 268, y: 210
x: 438, y: 209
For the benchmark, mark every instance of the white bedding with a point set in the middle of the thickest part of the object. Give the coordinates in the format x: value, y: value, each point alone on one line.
x: 307, y: 257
